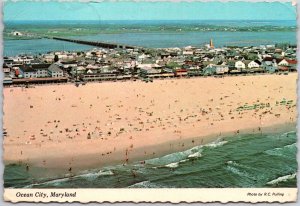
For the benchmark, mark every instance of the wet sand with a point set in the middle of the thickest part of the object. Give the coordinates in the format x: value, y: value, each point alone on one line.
x: 68, y: 128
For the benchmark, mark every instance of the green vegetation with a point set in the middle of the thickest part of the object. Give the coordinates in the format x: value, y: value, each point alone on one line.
x: 172, y: 65
x: 64, y: 30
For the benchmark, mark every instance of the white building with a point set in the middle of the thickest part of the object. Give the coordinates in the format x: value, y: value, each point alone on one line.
x: 17, y: 33
x: 254, y: 64
x: 239, y: 65
x: 216, y: 69
x: 55, y: 71
x: 28, y: 72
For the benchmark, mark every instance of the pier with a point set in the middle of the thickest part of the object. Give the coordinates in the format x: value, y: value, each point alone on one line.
x: 98, y: 44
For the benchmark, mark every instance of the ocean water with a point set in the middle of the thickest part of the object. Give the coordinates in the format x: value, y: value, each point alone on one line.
x: 254, y: 160
x: 153, y: 34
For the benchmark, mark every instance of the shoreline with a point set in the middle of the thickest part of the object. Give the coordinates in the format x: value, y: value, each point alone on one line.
x: 140, y: 128
x: 58, y: 173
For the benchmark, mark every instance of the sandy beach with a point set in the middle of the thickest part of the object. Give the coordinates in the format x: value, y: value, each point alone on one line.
x: 68, y: 128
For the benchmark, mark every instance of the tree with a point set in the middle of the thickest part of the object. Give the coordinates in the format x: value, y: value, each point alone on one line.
x: 172, y: 65
x: 56, y: 58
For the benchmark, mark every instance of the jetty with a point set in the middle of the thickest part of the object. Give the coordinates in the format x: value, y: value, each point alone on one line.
x: 98, y: 43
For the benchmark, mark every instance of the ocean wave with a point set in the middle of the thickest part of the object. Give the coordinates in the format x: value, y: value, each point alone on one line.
x: 195, y: 155
x: 55, y: 182
x: 96, y: 174
x: 282, y: 151
x: 291, y: 146
x: 174, y: 157
x: 172, y: 165
x: 179, y: 156
x: 170, y: 158
x: 182, y: 161
x: 235, y: 171
x: 282, y: 179
x: 216, y: 144
x: 235, y: 164
x: 87, y: 176
x: 238, y: 169
x: 286, y: 134
x: 145, y: 184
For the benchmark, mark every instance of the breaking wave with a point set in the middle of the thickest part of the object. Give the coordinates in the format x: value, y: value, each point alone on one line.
x: 173, y: 165
x: 216, y: 144
x: 282, y: 179
x: 145, y: 184
x: 282, y: 151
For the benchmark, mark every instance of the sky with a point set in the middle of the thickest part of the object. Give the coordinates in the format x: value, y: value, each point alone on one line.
x: 149, y: 11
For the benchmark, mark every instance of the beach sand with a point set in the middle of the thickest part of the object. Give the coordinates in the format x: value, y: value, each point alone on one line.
x: 65, y: 128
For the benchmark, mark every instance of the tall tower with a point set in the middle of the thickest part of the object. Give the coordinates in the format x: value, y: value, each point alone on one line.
x: 211, y: 44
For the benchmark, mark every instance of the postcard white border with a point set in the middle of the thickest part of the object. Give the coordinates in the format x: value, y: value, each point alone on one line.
x: 221, y: 195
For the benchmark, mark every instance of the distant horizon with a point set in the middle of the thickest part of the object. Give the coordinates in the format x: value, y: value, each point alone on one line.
x: 156, y: 20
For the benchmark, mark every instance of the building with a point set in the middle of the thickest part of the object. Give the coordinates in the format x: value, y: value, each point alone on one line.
x: 68, y: 64
x: 236, y: 65
x: 179, y: 72
x: 41, y: 70
x: 270, y: 66
x: 282, y: 62
x: 48, y: 58
x: 254, y: 64
x: 28, y: 72
x: 34, y: 70
x: 55, y: 71
x: 292, y: 64
x: 17, y: 33
x: 211, y: 44
x: 215, y: 69
x: 149, y: 71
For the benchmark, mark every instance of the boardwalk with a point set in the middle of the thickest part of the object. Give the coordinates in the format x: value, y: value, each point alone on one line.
x: 98, y: 44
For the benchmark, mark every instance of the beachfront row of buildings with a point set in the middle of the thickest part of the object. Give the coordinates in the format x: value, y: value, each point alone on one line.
x: 120, y: 64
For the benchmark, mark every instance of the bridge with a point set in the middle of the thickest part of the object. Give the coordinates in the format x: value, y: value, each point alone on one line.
x: 97, y: 43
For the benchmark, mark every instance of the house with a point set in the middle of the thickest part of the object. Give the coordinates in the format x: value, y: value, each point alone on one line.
x: 55, y: 71
x: 188, y: 52
x: 215, y: 69
x: 180, y: 72
x: 48, y: 58
x: 292, y: 64
x: 41, y: 70
x: 6, y: 69
x: 194, y: 72
x: 142, y: 57
x: 77, y: 70
x: 282, y: 62
x: 7, y: 80
x: 149, y: 71
x: 27, y: 72
x: 254, y: 64
x: 33, y: 70
x: 17, y: 33
x: 68, y: 64
x: 236, y: 65
x: 270, y: 66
